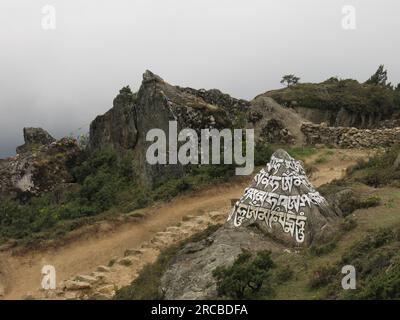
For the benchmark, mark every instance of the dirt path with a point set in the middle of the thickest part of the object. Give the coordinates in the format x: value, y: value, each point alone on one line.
x: 331, y: 164
x: 163, y: 225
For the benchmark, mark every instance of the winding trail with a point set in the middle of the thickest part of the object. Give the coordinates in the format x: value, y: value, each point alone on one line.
x: 181, y: 217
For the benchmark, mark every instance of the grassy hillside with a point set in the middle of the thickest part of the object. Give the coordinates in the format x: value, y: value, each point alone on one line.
x: 106, y: 186
x: 369, y: 239
x: 334, y: 94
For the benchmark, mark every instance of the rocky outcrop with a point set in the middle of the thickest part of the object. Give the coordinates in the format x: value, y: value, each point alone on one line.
x: 124, y: 127
x: 349, y: 137
x: 280, y: 211
x: 274, y: 123
x: 34, y: 138
x: 190, y: 274
x: 117, y: 127
x: 40, y: 167
x: 342, y: 117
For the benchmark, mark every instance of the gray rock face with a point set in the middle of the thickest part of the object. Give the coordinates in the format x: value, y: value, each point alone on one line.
x: 284, y: 204
x: 273, y: 123
x: 35, y: 137
x: 117, y: 127
x: 125, y: 126
x: 38, y: 170
x: 190, y: 275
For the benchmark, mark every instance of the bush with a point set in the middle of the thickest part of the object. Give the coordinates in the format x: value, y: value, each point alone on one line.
x: 348, y: 224
x: 284, y: 274
x: 262, y: 154
x: 379, y: 170
x: 324, y: 248
x: 245, y: 278
x: 322, y: 277
x: 385, y: 286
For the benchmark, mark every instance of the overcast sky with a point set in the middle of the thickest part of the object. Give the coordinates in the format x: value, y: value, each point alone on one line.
x: 61, y: 78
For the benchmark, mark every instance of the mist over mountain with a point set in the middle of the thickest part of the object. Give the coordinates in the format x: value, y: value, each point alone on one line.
x: 61, y: 79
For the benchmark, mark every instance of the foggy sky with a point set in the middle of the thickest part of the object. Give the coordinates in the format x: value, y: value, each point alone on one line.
x: 61, y: 79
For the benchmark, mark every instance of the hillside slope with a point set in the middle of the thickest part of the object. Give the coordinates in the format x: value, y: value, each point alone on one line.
x: 82, y: 256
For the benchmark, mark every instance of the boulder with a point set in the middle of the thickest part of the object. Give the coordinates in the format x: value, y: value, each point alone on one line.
x: 283, y: 203
x: 76, y: 285
x: 190, y: 274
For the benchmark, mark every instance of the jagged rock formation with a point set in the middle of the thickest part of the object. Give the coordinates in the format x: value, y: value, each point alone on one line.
x: 124, y: 127
x: 117, y: 127
x: 280, y: 210
x: 34, y: 137
x: 41, y: 164
x: 348, y: 137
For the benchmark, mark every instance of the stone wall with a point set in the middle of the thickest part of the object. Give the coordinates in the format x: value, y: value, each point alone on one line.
x: 349, y: 137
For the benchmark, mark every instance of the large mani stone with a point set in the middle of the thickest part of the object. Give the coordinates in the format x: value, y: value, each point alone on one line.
x: 283, y: 203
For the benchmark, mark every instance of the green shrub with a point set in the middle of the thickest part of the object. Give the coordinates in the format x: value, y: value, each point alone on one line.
x: 369, y: 243
x: 322, y: 277
x: 246, y: 277
x: 382, y: 287
x: 262, y: 154
x: 378, y: 170
x: 348, y: 224
x: 284, y: 274
x: 324, y: 248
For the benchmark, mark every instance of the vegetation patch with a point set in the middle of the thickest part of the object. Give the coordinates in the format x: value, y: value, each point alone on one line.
x: 146, y: 285
x: 247, y: 277
x: 376, y: 260
x: 379, y: 170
